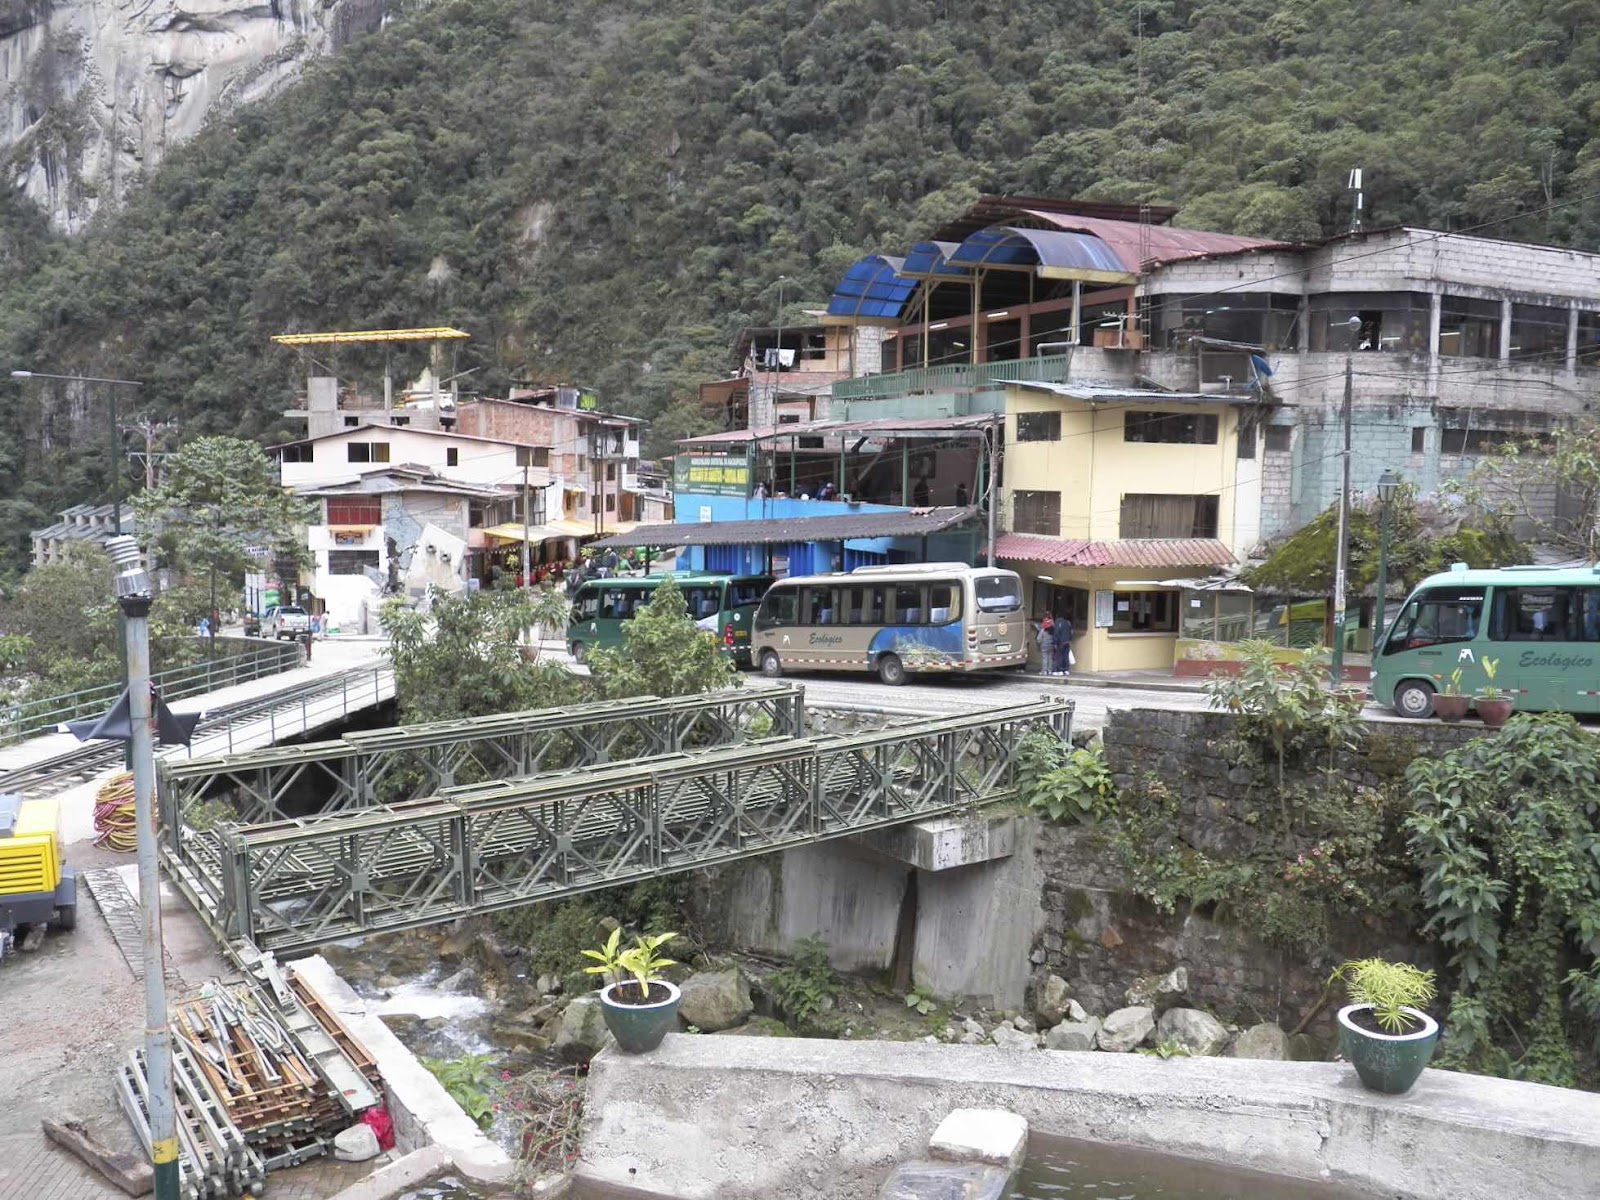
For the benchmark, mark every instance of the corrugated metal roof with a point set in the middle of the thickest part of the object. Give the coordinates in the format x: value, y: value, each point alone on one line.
x: 902, y: 426
x: 1122, y: 552
x: 1165, y: 243
x: 908, y: 523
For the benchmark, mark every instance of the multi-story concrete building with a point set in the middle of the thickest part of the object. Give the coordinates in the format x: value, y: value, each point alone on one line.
x: 1452, y: 344
x: 81, y: 523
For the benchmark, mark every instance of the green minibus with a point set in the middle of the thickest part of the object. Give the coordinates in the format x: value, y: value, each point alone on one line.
x: 1540, y: 626
x: 723, y: 605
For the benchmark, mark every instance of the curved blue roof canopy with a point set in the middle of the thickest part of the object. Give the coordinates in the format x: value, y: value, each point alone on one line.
x: 929, y: 258
x: 1007, y: 246
x: 872, y: 290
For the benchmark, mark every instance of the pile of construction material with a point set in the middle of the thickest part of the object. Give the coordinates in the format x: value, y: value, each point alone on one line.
x: 256, y: 1090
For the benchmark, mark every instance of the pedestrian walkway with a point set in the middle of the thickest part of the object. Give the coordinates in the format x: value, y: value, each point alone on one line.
x: 357, y: 660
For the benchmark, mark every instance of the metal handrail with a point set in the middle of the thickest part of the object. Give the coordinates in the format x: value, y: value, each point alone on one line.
x: 42, y: 714
x: 1045, y: 368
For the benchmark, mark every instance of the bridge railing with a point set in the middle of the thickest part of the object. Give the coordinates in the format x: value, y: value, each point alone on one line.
x: 294, y: 885
x: 245, y: 659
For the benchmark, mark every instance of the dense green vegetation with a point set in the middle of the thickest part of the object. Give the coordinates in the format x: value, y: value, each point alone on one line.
x: 605, y: 192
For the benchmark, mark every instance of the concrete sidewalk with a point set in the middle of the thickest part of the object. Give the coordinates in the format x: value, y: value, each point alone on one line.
x: 1145, y: 681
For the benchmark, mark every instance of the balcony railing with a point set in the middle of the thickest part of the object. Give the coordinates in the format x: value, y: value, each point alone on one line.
x: 1049, y: 368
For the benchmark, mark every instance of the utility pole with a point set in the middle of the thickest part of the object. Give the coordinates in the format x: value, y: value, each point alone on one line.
x: 1342, y: 551
x: 527, y: 573
x: 133, y: 597
x: 150, y: 430
x: 993, y: 490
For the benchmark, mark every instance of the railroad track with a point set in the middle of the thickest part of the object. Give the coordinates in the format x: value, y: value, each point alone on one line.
x: 73, y: 767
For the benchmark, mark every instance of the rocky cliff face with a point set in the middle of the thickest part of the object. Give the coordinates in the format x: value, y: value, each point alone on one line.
x: 93, y: 92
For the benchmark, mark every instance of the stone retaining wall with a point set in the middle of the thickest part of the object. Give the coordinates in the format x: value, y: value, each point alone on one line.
x: 1101, y: 937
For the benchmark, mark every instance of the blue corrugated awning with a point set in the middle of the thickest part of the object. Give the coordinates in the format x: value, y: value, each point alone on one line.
x: 872, y: 290
x: 1066, y: 252
x: 928, y: 258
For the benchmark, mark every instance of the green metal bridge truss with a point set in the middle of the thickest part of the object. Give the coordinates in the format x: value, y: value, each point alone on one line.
x: 287, y: 886
x: 386, y: 766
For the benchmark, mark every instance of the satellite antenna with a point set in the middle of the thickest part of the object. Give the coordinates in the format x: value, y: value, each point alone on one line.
x: 1355, y: 186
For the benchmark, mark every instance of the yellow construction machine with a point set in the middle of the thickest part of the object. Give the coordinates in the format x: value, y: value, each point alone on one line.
x: 36, y: 887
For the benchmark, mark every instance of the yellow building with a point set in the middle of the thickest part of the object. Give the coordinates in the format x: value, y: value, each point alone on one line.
x: 1117, y: 502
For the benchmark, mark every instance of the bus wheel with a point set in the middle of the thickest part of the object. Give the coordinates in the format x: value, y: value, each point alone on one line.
x: 891, y: 670
x: 770, y: 666
x: 1413, y: 698
x: 578, y: 652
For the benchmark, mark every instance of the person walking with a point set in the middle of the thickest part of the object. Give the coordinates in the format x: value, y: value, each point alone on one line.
x: 1064, y: 656
x: 1047, y: 645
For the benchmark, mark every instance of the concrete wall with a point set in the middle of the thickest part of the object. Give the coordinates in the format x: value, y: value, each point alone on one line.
x: 975, y: 924
x: 738, y: 1118
x: 422, y: 1111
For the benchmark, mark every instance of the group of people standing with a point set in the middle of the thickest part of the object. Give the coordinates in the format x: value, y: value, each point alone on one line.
x: 1054, y: 635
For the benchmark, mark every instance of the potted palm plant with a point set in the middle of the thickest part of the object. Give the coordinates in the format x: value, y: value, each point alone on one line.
x: 639, y: 1009
x: 1450, y: 705
x: 1383, y: 1031
x: 1493, y: 705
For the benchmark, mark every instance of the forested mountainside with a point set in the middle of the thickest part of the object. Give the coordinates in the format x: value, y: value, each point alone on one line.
x: 605, y: 190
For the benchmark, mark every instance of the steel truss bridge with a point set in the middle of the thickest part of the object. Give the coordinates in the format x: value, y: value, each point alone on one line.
x: 463, y: 848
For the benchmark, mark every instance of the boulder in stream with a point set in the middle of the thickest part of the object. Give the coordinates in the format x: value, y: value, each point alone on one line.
x: 715, y: 1000
x: 582, y: 1031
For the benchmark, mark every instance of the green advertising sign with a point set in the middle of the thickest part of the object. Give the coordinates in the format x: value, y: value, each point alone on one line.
x: 712, y: 474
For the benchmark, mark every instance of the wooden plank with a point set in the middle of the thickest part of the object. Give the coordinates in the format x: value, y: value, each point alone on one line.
x: 129, y: 1172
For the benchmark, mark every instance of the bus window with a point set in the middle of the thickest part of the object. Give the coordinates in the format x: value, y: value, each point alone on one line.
x: 1588, y: 612
x: 863, y: 605
x: 1533, y: 614
x: 998, y: 593
x: 703, y: 602
x: 944, y: 602
x: 588, y: 604
x: 816, y: 606
x: 744, y: 592
x: 1436, y: 617
x: 781, y: 607
x: 907, y: 604
x: 616, y: 604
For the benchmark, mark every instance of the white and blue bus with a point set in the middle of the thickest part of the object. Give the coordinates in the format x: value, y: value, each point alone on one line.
x: 896, y: 621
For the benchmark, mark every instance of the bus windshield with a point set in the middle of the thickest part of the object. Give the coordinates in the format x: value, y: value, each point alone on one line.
x: 998, y: 593
x: 1436, y: 617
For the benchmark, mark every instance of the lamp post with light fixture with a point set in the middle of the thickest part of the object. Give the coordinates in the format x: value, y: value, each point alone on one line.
x: 111, y: 463
x: 133, y: 598
x: 1388, y: 489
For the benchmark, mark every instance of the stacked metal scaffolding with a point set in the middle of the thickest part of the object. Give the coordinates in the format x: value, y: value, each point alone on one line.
x: 290, y: 885
x: 256, y: 1091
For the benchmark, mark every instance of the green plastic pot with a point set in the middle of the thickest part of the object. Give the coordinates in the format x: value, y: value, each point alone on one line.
x: 639, y: 1028
x: 1387, y: 1062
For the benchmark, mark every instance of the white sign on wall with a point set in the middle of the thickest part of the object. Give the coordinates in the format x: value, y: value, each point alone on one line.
x: 1103, y: 614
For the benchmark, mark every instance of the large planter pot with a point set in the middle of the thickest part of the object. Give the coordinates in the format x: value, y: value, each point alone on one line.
x: 1494, y: 712
x: 1387, y: 1062
x: 639, y: 1028
x: 1451, y: 708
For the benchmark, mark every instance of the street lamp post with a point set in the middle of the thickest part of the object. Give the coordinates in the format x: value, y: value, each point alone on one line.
x: 1342, y: 549
x: 112, y: 385
x: 133, y: 597
x: 1388, y: 489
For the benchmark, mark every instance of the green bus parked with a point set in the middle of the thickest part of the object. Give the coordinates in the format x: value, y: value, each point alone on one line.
x: 1540, y: 625
x: 723, y: 605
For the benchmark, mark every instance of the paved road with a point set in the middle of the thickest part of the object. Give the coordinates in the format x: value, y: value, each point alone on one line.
x: 964, y: 694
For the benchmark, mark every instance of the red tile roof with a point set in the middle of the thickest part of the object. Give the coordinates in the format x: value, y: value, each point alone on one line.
x: 1124, y: 552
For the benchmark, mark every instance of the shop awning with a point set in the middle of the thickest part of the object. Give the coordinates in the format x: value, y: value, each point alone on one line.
x: 913, y: 522
x: 513, y: 531
x: 1119, y: 552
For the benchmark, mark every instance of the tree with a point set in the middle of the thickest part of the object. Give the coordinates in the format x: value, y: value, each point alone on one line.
x: 1550, y: 485
x: 662, y: 653
x: 460, y: 657
x: 220, y: 509
x: 67, y: 609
